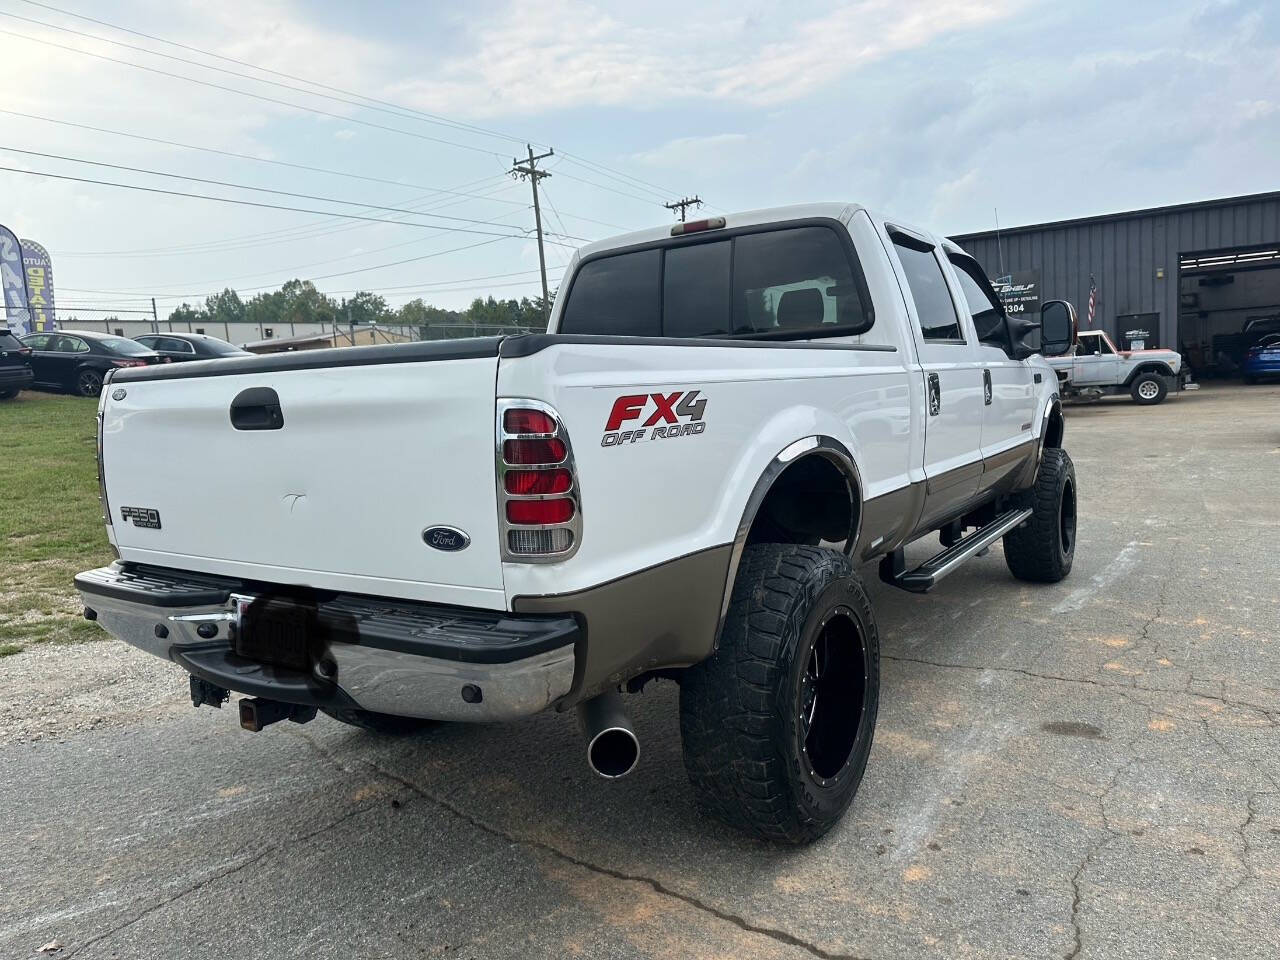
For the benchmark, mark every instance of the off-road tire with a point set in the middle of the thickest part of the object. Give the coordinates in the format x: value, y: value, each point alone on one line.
x: 1136, y: 389
x: 1043, y: 548
x: 88, y: 383
x: 747, y: 746
x: 383, y: 723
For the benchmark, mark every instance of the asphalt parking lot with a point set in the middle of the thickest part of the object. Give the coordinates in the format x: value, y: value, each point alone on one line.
x: 1085, y: 770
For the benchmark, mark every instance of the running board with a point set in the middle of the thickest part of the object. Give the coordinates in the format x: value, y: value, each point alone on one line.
x: 926, y: 576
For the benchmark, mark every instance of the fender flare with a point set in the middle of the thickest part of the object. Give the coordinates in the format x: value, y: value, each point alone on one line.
x: 1158, y: 367
x: 815, y: 445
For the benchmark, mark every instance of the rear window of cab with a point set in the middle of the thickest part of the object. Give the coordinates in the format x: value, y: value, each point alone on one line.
x: 787, y: 283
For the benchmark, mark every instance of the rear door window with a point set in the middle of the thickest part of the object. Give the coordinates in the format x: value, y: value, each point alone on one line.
x: 9, y: 342
x: 616, y: 296
x: 934, y: 306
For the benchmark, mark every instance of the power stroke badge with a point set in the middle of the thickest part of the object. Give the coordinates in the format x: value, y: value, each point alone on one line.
x: 677, y: 414
x: 141, y: 517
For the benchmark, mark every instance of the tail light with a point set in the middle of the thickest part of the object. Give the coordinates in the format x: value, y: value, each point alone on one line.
x: 128, y: 363
x: 102, y: 477
x: 539, y: 505
x: 24, y: 352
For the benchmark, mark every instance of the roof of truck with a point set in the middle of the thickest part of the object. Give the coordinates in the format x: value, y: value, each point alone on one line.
x: 798, y: 211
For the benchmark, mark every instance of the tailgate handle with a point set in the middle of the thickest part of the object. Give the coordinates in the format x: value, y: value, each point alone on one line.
x: 257, y: 408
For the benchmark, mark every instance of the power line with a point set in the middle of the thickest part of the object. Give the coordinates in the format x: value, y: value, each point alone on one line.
x: 242, y: 186
x: 245, y: 203
x: 429, y: 117
x: 400, y: 109
x: 283, y: 235
x: 246, y: 93
x: 246, y: 156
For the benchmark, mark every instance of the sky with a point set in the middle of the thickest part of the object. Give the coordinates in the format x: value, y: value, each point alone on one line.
x: 939, y: 114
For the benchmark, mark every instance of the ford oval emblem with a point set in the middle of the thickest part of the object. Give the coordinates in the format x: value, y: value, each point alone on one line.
x: 450, y: 539
x: 118, y: 393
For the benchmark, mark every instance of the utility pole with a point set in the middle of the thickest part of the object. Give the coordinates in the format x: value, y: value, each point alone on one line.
x: 529, y: 170
x: 683, y: 204
x: 155, y: 317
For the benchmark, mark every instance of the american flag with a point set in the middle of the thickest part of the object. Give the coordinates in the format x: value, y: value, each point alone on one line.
x: 1093, y: 299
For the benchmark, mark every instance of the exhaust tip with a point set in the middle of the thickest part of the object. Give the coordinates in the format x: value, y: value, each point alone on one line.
x: 613, y: 752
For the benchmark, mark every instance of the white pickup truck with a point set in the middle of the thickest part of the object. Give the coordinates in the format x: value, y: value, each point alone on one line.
x: 679, y: 480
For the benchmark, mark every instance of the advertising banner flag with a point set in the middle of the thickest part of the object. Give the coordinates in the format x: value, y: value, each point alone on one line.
x: 13, y: 283
x: 39, y: 270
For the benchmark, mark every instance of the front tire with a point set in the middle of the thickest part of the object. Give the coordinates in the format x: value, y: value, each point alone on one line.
x: 8, y: 394
x: 88, y: 383
x: 777, y: 724
x: 1148, y: 389
x: 1043, y: 549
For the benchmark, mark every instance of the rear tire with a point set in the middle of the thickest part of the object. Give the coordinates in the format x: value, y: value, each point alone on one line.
x: 381, y: 723
x: 8, y: 394
x: 1148, y: 389
x: 1250, y: 379
x: 1043, y: 549
x: 777, y: 724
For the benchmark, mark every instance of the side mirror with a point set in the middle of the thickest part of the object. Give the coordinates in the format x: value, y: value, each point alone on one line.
x: 1057, y: 328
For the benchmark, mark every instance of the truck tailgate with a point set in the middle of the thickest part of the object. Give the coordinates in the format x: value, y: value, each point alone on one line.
x: 338, y: 496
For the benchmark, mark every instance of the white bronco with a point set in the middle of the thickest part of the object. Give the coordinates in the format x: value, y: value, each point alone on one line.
x: 679, y: 480
x: 1095, y: 367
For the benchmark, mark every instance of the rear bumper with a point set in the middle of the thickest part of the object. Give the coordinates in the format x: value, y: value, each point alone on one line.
x: 396, y: 657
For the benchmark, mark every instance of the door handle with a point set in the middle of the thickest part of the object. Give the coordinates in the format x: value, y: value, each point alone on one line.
x: 986, y: 387
x: 257, y: 408
x: 935, y: 395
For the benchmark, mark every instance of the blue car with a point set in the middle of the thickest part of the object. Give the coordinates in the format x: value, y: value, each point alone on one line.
x: 1262, y: 360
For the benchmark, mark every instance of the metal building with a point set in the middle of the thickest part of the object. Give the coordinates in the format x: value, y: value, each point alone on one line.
x: 1202, y: 278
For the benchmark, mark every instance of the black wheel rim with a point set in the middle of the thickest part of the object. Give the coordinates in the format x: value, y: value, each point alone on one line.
x: 1067, y: 517
x: 833, y: 695
x: 90, y: 384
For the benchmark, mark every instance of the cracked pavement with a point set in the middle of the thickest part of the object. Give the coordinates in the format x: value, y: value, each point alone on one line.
x: 1090, y: 769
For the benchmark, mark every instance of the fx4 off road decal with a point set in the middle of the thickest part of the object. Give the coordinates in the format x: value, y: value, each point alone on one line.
x: 656, y: 416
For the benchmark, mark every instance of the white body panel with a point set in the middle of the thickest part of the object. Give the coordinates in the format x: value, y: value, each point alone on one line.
x: 368, y: 458
x: 652, y: 500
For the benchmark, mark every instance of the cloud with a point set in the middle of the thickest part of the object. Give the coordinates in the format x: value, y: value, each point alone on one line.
x: 565, y: 54
x: 692, y: 151
x: 344, y: 134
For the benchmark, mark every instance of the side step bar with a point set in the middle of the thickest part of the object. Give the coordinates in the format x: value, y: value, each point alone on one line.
x: 926, y: 576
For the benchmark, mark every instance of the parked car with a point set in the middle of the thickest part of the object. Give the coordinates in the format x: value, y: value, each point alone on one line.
x: 1096, y: 368
x: 740, y: 390
x: 78, y: 360
x: 1262, y: 360
x: 15, y: 365
x: 178, y: 347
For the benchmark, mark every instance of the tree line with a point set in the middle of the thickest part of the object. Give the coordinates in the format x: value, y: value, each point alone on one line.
x: 298, y: 301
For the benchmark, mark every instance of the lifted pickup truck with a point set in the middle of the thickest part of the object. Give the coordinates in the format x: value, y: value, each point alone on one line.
x: 679, y: 480
x: 1096, y: 368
